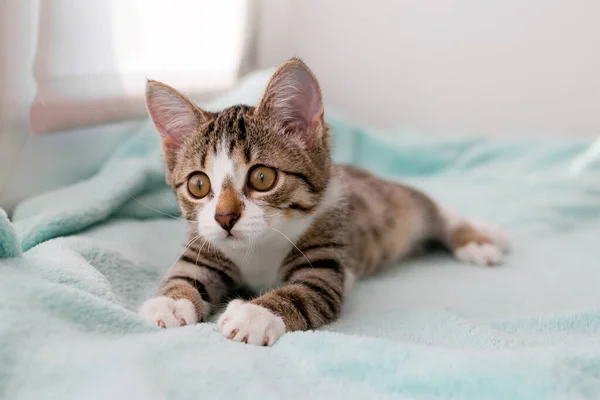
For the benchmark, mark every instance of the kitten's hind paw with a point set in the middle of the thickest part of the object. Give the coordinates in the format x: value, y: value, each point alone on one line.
x: 479, y: 243
x: 480, y: 254
x: 166, y: 312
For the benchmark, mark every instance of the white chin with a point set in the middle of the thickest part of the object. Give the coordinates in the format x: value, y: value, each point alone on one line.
x: 235, y: 241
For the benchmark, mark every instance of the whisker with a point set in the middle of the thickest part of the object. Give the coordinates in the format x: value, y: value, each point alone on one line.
x: 251, y: 249
x: 293, y: 244
x: 213, y: 249
x: 253, y: 232
x: 158, y: 211
x: 200, y: 251
x: 247, y: 252
x: 206, y: 242
x: 192, y: 241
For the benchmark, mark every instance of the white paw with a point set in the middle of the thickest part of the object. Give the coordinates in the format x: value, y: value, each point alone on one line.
x: 249, y: 323
x: 498, y: 236
x: 168, y: 313
x: 480, y: 254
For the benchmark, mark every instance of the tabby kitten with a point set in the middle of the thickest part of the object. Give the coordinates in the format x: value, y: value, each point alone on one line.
x: 269, y: 214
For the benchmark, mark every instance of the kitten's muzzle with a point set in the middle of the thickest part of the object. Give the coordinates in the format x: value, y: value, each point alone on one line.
x: 227, y: 221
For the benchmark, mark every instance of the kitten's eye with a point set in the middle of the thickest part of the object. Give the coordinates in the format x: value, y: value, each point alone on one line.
x: 262, y: 178
x: 198, y: 185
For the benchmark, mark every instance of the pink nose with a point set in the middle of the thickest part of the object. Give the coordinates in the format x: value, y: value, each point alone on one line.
x: 227, y: 221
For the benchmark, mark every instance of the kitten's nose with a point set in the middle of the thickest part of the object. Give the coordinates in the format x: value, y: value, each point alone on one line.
x: 227, y: 221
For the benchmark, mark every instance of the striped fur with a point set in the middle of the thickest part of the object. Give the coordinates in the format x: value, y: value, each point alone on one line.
x: 299, y: 242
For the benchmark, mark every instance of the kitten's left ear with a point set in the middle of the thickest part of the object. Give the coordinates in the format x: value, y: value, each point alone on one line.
x: 293, y: 98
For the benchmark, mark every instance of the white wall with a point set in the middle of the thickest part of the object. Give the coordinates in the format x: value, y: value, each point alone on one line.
x: 503, y: 67
x: 17, y: 86
x: 32, y: 164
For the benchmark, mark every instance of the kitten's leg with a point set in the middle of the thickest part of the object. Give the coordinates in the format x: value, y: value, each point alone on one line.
x: 471, y: 241
x: 311, y: 297
x: 194, y: 284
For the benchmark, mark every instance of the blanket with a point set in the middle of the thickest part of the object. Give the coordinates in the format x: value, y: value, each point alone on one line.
x: 76, y: 263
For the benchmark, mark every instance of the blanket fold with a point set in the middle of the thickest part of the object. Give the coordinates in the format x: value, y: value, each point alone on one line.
x: 10, y: 245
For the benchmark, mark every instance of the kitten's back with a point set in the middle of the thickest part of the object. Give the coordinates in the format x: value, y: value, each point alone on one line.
x: 386, y: 220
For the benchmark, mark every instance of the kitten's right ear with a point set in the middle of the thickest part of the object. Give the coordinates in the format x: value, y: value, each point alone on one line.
x: 174, y: 116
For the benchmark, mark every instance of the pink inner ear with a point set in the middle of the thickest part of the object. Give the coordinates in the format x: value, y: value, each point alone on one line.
x: 294, y: 98
x: 172, y: 114
x: 156, y: 118
x: 169, y: 142
x: 308, y: 101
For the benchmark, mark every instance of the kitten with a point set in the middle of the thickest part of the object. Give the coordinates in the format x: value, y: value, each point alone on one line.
x: 269, y: 213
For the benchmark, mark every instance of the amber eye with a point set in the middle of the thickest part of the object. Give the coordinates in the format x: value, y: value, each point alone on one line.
x: 198, y: 185
x: 262, y: 178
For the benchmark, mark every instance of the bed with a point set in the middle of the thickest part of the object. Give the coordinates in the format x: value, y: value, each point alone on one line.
x: 76, y: 263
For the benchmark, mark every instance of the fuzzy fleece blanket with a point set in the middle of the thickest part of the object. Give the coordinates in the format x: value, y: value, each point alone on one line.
x: 76, y: 263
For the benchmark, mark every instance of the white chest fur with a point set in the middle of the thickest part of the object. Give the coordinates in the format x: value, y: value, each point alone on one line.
x: 261, y: 262
x: 260, y: 265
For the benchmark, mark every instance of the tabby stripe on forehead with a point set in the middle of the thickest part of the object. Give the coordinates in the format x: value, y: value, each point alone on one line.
x: 329, y: 264
x: 199, y: 286
x: 227, y: 280
x: 230, y: 124
x: 209, y: 131
x: 203, y: 155
x: 241, y: 133
x: 302, y: 177
x: 247, y: 153
x: 210, y: 127
x: 241, y: 129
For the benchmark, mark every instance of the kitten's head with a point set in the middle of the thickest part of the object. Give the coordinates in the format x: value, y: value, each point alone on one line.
x: 239, y: 172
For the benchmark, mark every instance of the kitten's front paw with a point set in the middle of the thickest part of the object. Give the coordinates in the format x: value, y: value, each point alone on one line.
x: 249, y: 323
x: 168, y: 313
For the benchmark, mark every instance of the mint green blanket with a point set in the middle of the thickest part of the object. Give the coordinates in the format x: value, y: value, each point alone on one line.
x: 76, y: 263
